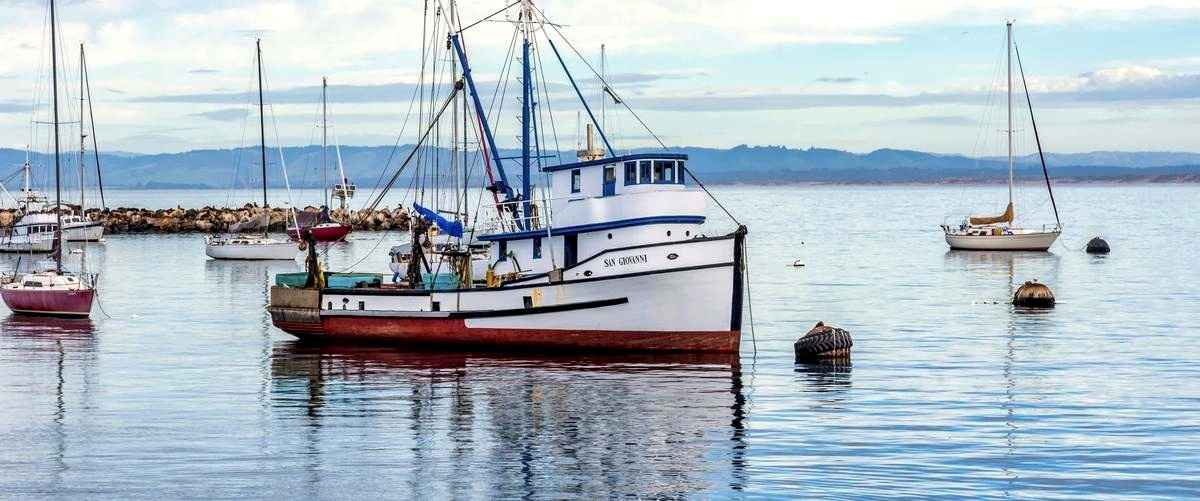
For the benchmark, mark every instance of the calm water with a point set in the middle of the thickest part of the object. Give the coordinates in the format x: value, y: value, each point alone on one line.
x: 181, y: 388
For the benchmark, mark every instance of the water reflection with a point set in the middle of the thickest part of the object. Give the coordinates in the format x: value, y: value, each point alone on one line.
x: 519, y: 425
x: 66, y: 345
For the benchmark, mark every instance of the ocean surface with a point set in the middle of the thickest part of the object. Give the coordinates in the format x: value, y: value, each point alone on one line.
x: 180, y: 387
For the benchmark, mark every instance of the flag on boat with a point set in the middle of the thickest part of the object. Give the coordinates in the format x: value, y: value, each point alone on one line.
x: 452, y: 228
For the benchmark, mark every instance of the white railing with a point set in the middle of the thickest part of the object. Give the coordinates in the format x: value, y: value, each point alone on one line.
x: 502, y: 220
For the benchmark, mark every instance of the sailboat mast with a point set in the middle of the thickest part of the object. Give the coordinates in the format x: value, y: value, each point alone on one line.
x: 57, y: 167
x: 324, y: 144
x: 82, y: 135
x: 92, y: 121
x: 1008, y: 50
x: 262, y: 121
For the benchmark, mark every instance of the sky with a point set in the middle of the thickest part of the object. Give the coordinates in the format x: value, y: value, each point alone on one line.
x: 858, y: 75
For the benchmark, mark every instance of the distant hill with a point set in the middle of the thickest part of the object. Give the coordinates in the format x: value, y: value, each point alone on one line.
x: 365, y: 165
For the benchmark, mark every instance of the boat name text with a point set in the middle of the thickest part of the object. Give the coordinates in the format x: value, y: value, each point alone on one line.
x: 626, y: 260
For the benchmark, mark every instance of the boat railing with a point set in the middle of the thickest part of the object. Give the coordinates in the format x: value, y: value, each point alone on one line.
x: 505, y: 220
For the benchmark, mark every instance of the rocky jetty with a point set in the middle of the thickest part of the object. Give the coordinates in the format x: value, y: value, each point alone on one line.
x: 217, y: 220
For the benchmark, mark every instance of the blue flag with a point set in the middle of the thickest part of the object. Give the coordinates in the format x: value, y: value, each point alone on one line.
x: 452, y: 228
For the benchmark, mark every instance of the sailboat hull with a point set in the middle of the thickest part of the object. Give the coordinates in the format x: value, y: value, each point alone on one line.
x: 1031, y: 241
x: 252, y: 252
x: 57, y: 303
x: 329, y: 232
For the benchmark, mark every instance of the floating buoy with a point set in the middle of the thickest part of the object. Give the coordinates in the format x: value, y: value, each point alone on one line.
x: 823, y: 342
x: 1033, y: 295
x: 1097, y: 246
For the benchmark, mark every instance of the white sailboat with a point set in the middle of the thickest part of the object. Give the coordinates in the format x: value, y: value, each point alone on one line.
x: 256, y: 247
x: 999, y: 233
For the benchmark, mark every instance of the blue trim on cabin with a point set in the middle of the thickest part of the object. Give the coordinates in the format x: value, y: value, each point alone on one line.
x: 584, y: 228
x: 613, y: 160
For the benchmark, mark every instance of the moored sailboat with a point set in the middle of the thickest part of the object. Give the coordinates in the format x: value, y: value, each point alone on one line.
x: 52, y: 291
x: 324, y: 228
x: 1000, y: 232
x: 611, y: 255
x: 253, y: 247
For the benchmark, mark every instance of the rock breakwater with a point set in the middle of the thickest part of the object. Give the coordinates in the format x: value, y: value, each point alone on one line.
x: 217, y: 219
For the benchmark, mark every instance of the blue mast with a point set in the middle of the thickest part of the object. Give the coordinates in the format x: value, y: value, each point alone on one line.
x: 526, y: 108
x: 501, y: 185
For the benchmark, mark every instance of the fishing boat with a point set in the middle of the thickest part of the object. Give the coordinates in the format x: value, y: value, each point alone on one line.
x: 51, y: 291
x: 324, y: 228
x: 255, y: 247
x: 612, y: 253
x: 999, y: 232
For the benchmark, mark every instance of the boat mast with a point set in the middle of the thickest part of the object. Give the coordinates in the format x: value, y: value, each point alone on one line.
x: 262, y: 124
x: 526, y: 109
x: 324, y: 145
x: 1008, y: 50
x: 92, y: 121
x: 1037, y: 138
x: 57, y: 167
x: 82, y: 134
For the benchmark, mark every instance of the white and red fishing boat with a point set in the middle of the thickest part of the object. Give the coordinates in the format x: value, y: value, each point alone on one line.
x: 613, y: 254
x: 51, y: 291
x: 256, y: 247
x: 1000, y: 233
x: 323, y: 227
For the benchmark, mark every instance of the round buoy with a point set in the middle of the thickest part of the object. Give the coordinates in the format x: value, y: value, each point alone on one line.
x: 823, y: 342
x: 1097, y: 246
x: 1033, y: 295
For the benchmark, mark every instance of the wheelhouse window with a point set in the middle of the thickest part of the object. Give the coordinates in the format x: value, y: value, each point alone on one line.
x: 631, y: 173
x: 503, y: 247
x: 537, y: 248
x: 644, y: 169
x: 679, y: 177
x: 576, y: 181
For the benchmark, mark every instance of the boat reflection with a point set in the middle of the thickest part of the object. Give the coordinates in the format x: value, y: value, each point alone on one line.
x: 663, y: 425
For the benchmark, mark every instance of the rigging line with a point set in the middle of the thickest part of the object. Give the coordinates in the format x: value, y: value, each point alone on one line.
x: 1042, y: 156
x: 710, y: 195
x: 87, y: 82
x: 391, y: 182
x: 489, y: 16
x: 598, y: 76
x: 546, y: 99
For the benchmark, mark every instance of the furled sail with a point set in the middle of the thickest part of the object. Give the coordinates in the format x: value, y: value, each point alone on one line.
x: 1007, y: 217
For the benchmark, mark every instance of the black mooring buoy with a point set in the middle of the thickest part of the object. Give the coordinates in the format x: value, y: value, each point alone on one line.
x: 823, y: 342
x: 1097, y: 246
x: 1033, y: 295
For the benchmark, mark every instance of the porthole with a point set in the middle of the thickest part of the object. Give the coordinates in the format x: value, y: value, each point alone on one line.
x: 687, y: 233
x: 587, y: 273
x: 610, y: 236
x: 668, y: 233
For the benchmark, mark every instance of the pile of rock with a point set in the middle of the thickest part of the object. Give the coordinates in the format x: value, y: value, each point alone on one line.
x: 216, y: 219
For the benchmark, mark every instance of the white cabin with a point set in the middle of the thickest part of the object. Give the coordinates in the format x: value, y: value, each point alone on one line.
x: 598, y: 205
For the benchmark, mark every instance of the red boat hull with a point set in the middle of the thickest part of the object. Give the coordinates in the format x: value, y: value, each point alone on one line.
x: 58, y: 303
x: 416, y: 331
x: 325, y: 233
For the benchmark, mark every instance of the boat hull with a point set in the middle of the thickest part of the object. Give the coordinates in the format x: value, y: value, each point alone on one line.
x: 58, y: 303
x: 1036, y: 241
x: 25, y: 245
x: 252, y: 252
x: 89, y: 232
x: 692, y: 304
x: 324, y: 232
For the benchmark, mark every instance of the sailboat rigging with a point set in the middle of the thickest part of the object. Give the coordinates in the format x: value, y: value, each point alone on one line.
x: 1000, y: 232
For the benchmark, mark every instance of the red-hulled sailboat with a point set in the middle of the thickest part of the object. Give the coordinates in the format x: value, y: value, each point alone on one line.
x: 51, y: 291
x: 323, y: 227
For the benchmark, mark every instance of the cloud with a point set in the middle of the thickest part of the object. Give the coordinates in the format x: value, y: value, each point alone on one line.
x: 380, y: 93
x: 203, y: 71
x: 933, y: 120
x: 838, y: 80
x: 11, y: 107
x: 223, y: 115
